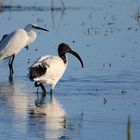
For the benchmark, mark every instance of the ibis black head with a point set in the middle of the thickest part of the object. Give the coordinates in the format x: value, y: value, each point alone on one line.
x: 65, y: 48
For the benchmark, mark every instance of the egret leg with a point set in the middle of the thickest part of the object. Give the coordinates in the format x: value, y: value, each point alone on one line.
x: 11, y: 67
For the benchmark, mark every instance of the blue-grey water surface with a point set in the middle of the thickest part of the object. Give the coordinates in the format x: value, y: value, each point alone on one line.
x: 100, y: 101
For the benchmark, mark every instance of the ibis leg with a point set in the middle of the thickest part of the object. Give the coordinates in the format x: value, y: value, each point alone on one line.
x: 51, y: 93
x: 43, y: 90
x: 40, y: 100
x: 42, y: 87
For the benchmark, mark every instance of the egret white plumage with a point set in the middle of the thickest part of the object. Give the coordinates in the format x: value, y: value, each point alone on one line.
x: 11, y: 44
x: 49, y: 69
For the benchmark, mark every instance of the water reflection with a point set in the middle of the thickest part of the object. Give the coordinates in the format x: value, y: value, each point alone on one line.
x: 137, y: 16
x: 48, y: 121
x: 53, y: 6
x: 18, y: 8
x: 53, y: 11
x: 15, y: 96
x: 14, y: 101
x: 1, y: 6
x: 129, y: 128
x: 20, y: 118
x: 57, y: 12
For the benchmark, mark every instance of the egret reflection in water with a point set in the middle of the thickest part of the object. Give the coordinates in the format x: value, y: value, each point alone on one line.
x: 15, y: 96
x: 48, y: 121
x: 14, y: 102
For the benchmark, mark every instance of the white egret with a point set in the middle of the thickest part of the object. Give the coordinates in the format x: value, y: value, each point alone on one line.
x: 11, y: 44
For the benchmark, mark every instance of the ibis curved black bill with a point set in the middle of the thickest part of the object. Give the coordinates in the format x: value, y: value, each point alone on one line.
x: 40, y: 28
x: 77, y: 56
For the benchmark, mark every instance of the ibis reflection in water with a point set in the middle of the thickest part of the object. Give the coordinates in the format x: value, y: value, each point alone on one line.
x: 11, y: 44
x: 49, y: 69
x: 48, y: 121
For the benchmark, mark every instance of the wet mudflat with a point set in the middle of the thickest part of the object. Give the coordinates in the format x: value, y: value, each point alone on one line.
x: 100, y: 101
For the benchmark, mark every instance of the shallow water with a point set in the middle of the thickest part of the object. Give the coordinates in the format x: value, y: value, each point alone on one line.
x: 98, y: 102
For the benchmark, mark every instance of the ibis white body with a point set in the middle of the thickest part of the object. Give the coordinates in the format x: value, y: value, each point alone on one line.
x: 49, y: 69
x: 55, y: 68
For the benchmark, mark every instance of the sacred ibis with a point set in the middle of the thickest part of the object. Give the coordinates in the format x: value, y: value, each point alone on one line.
x: 11, y: 44
x: 48, y: 69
